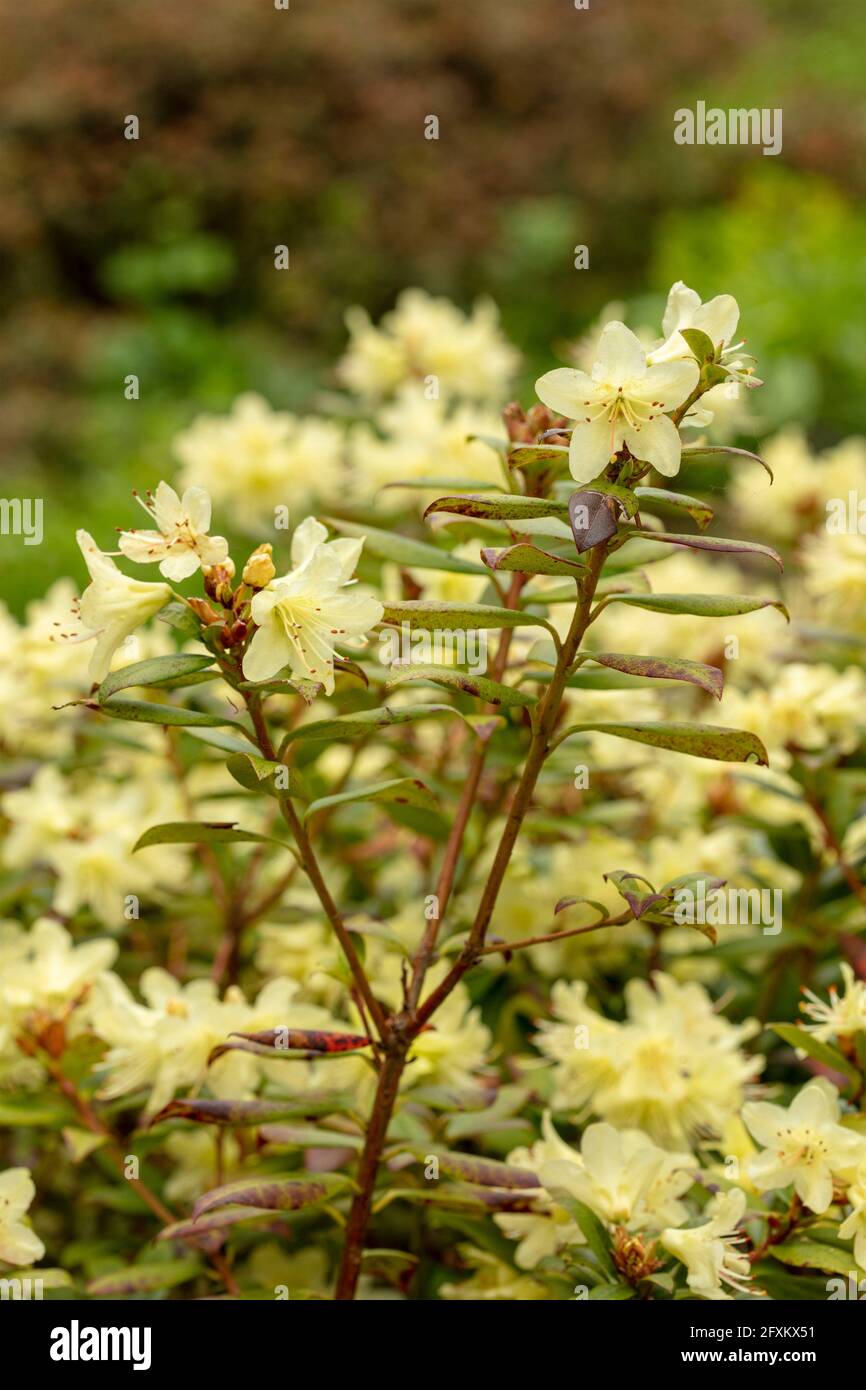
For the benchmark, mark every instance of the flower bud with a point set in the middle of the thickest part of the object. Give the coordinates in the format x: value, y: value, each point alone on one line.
x: 259, y: 569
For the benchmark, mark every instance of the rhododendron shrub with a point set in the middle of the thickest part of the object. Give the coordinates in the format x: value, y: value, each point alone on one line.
x: 456, y: 893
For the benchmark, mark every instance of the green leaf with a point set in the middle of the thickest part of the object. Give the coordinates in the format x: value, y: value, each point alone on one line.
x: 143, y: 712
x: 700, y: 512
x: 701, y: 344
x: 144, y: 1278
x: 795, y: 1036
x: 533, y: 459
x: 213, y: 1221
x: 228, y: 743
x: 402, y: 550
x: 431, y: 616
x: 257, y: 774
x: 505, y: 507
x: 698, y: 740
x: 405, y: 791
x: 484, y: 1172
x: 156, y: 672
x: 807, y: 1254
x: 274, y: 1192
x: 454, y: 679
x: 702, y: 605
x: 720, y: 453
x: 529, y: 559
x: 202, y: 833
x: 345, y: 726
x: 593, y: 1230
x: 674, y: 668
x: 715, y: 543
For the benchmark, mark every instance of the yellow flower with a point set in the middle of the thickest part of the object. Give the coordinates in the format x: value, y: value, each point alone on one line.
x: 839, y: 1018
x: 18, y: 1244
x: 301, y: 616
x: 707, y: 1250
x: 112, y: 605
x: 181, y: 542
x: 804, y: 1145
x: 624, y: 1178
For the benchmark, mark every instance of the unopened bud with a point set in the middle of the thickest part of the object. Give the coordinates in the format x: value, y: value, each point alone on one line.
x: 218, y: 581
x: 259, y: 569
x: 203, y: 611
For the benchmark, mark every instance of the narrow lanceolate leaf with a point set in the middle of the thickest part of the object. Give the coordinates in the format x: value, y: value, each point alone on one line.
x: 454, y: 679
x: 243, y: 1113
x: 144, y: 1278
x: 675, y: 668
x: 214, y: 1222
x: 703, y: 605
x: 699, y: 511
x: 145, y: 712
x: 275, y: 1192
x: 402, y: 791
x: 529, y: 559
x: 797, y: 1037
x: 809, y: 1254
x: 699, y: 740
x: 345, y: 726
x: 402, y: 550
x: 721, y: 453
x: 159, y: 671
x: 719, y: 544
x: 486, y: 1172
x: 432, y: 616
x: 505, y: 507
x: 202, y: 833
x: 311, y: 1039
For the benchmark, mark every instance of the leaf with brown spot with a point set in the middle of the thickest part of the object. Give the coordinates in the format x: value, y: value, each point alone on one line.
x: 674, y: 668
x: 240, y: 1113
x: 530, y: 559
x: 274, y: 1192
x: 482, y: 687
x: 698, y: 740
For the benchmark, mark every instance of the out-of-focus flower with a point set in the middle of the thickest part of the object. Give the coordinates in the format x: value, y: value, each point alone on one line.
x: 302, y: 616
x: 623, y: 402
x: 492, y: 1281
x: 44, y: 970
x: 672, y: 1069
x: 112, y: 605
x: 708, y: 1251
x: 834, y: 579
x: 804, y: 1145
x: 256, y: 459
x: 416, y: 437
x: 19, y: 1245
x: 837, y: 1017
x: 425, y: 337
x: 180, y: 543
x: 807, y: 707
x: 855, y: 1223
x: 624, y: 1178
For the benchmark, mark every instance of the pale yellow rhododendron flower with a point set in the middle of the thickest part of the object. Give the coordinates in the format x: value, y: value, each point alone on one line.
x: 855, y: 1223
x: 804, y: 1145
x: 19, y: 1245
x: 718, y: 318
x: 426, y: 337
x: 44, y: 969
x: 549, y: 1228
x: 301, y: 616
x: 834, y: 579
x: 840, y: 1017
x: 673, y: 1068
x: 112, y: 605
x: 623, y: 402
x: 492, y: 1281
x: 811, y: 707
x: 164, y: 1044
x: 181, y: 543
x: 624, y: 1178
x: 708, y: 1250
x: 417, y: 438
x: 256, y: 459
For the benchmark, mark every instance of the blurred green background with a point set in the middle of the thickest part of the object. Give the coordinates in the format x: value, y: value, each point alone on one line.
x: 305, y: 127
